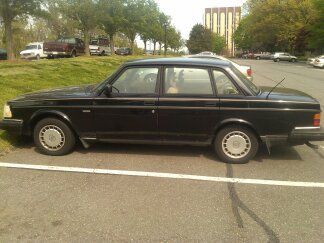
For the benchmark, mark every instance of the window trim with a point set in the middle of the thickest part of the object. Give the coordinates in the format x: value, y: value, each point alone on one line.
x: 156, y: 91
x: 162, y: 92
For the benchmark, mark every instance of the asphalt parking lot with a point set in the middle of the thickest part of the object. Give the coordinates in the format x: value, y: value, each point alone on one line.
x: 43, y: 205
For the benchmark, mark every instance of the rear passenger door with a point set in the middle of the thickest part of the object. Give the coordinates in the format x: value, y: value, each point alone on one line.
x: 188, y: 107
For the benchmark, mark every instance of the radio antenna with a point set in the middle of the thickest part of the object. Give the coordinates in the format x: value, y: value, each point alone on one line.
x: 275, y: 87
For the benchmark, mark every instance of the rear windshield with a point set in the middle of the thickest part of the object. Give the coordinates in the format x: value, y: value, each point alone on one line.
x: 255, y: 89
x: 66, y: 40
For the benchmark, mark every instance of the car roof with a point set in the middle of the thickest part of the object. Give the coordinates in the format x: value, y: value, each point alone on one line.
x: 179, y: 61
x: 35, y: 43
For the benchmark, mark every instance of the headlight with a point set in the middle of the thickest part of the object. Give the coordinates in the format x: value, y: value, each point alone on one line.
x: 6, y: 111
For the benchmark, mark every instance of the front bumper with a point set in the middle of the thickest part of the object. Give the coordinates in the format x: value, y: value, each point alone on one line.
x: 12, y: 125
x: 95, y: 52
x: 306, y: 134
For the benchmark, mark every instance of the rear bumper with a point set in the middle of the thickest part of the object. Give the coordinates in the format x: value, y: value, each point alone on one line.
x: 298, y: 136
x: 307, y: 134
x: 12, y: 125
x: 56, y: 53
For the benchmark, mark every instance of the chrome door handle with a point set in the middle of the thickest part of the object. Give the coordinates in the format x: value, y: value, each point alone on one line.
x: 153, y: 111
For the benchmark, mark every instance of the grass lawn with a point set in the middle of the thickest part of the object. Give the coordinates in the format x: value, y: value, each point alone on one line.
x: 26, y: 76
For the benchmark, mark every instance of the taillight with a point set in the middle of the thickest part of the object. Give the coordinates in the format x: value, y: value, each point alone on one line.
x: 317, y: 120
x: 249, y: 72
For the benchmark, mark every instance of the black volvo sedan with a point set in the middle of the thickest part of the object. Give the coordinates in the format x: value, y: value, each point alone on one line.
x: 173, y: 101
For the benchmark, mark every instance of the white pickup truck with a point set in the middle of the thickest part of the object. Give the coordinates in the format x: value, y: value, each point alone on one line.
x: 100, y: 47
x: 33, y: 51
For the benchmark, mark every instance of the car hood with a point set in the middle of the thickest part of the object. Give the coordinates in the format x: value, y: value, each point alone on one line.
x: 286, y: 94
x: 28, y: 51
x: 58, y: 93
x: 93, y: 46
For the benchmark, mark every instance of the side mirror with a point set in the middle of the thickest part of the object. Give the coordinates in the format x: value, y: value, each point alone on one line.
x: 108, y: 90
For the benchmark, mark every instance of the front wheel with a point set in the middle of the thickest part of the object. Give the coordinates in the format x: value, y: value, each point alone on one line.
x: 53, y: 137
x: 236, y: 144
x: 293, y: 60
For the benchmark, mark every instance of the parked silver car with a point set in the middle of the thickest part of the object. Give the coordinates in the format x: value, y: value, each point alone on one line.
x: 283, y: 56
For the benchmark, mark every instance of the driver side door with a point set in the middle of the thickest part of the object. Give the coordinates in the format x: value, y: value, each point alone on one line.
x: 129, y: 113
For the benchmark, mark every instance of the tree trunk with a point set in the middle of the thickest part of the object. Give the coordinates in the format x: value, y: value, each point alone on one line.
x: 154, y: 47
x: 145, y: 42
x: 112, y: 44
x: 132, y: 45
x: 160, y: 48
x: 9, y: 39
x: 86, y: 42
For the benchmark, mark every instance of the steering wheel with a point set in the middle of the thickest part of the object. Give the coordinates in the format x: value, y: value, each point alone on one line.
x: 150, y: 78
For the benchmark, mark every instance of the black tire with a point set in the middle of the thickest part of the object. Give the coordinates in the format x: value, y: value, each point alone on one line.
x: 69, y: 138
x: 277, y: 60
x: 293, y: 60
x: 258, y: 58
x: 103, y: 53
x: 226, y: 131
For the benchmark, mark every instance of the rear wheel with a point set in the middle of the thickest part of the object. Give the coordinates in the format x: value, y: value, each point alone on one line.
x: 277, y: 60
x: 293, y: 60
x: 53, y: 137
x: 236, y: 144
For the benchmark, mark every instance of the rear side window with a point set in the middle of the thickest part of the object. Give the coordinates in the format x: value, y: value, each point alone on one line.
x: 187, y: 81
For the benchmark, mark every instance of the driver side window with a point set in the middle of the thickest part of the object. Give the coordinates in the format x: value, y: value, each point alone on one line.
x: 136, y: 81
x: 224, y: 85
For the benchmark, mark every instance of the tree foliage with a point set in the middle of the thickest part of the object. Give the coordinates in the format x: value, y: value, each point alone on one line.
x: 273, y: 25
x: 120, y: 19
x: 200, y: 39
x: 10, y: 11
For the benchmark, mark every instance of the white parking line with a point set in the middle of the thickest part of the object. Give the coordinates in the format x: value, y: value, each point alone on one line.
x: 162, y: 175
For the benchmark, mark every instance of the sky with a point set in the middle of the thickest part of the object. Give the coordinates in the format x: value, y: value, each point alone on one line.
x: 187, y: 13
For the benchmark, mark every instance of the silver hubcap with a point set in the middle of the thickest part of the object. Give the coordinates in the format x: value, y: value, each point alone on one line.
x: 236, y: 144
x: 52, y: 137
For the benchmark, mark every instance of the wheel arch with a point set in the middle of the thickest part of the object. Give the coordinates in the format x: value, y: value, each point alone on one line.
x: 42, y: 114
x: 236, y: 121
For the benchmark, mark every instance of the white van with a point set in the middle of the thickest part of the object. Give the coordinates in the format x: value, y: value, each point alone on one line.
x: 33, y: 51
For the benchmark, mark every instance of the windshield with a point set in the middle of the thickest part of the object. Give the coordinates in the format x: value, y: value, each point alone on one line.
x: 94, y: 42
x: 255, y: 89
x: 31, y: 47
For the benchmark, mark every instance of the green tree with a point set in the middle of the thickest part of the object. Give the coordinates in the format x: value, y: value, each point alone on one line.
x: 134, y: 19
x: 219, y: 43
x: 84, y: 13
x: 200, y: 39
x: 112, y: 18
x: 274, y: 25
x: 316, y: 27
x: 158, y: 28
x: 11, y: 10
x: 151, y: 13
x: 57, y: 22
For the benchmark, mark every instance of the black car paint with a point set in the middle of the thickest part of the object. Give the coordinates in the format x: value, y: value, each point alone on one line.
x: 161, y: 118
